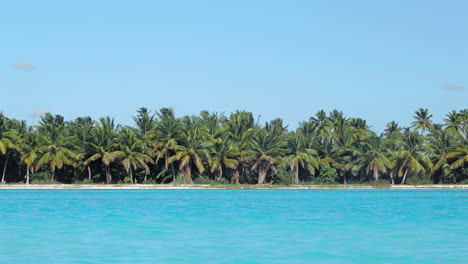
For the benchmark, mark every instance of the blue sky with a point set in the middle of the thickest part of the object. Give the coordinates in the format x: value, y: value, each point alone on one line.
x: 379, y: 60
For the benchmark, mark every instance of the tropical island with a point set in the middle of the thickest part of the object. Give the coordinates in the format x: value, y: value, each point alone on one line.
x: 214, y: 149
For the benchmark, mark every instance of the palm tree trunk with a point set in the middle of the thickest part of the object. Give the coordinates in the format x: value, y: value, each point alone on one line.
x: 4, y: 169
x: 27, y: 174
x: 220, y: 174
x: 376, y: 174
x: 108, y: 175
x: 235, y: 176
x: 173, y: 174
x: 261, y: 175
x: 404, y: 176
x: 53, y: 174
x: 188, y: 174
x: 344, y: 178
x: 89, y: 172
x: 130, y: 174
x: 391, y: 177
x: 295, y: 179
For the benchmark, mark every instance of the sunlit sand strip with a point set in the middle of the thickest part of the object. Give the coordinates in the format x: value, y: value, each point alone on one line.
x: 203, y: 186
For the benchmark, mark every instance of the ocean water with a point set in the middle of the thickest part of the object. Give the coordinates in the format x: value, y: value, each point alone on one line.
x: 234, y: 226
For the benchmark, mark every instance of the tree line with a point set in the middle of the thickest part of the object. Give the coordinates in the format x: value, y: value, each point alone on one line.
x: 213, y: 148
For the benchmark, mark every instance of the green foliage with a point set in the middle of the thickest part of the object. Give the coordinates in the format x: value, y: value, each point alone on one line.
x: 464, y: 182
x: 328, y: 175
x: 150, y: 181
x: 282, y: 176
x: 41, y: 178
x: 204, y: 180
x: 86, y: 181
x: 327, y: 148
x: 180, y: 179
x: 419, y: 180
x: 381, y: 184
x: 127, y: 179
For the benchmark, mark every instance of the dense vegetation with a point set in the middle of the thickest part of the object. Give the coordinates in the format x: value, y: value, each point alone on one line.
x: 213, y: 148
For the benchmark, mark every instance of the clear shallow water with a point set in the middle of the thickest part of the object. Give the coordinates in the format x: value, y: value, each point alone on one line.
x: 234, y: 226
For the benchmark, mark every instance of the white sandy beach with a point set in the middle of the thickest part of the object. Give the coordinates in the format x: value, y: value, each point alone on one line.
x: 203, y: 186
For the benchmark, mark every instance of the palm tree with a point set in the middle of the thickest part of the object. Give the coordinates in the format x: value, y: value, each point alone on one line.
x: 134, y: 153
x: 54, y: 148
x: 423, y: 120
x: 81, y: 132
x: 338, y: 121
x: 192, y: 149
x: 412, y: 157
x: 440, y: 143
x: 223, y: 155
x: 392, y: 144
x: 375, y: 156
x: 318, y: 126
x: 345, y: 159
x: 329, y: 152
x: 453, y: 121
x: 459, y: 152
x: 145, y: 123
x: 359, y: 128
x: 300, y: 156
x: 268, y: 147
x: 213, y: 125
x: 29, y: 153
x: 167, y: 134
x: 8, y: 141
x: 103, y: 146
x: 240, y: 128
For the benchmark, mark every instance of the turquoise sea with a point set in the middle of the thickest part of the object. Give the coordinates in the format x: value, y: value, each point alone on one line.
x: 234, y: 226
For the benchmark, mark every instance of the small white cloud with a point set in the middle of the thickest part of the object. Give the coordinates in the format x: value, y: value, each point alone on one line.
x: 453, y: 87
x: 23, y: 66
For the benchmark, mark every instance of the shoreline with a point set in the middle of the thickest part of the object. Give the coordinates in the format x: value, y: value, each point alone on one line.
x: 217, y: 187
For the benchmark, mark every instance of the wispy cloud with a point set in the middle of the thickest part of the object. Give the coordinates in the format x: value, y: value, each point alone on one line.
x: 453, y: 87
x: 23, y: 66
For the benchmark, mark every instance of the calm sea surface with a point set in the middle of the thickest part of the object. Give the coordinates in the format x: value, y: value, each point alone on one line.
x: 234, y: 226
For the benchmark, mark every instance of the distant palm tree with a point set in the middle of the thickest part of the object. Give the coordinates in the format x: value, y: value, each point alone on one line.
x: 375, y: 156
x: 8, y: 141
x: 134, y: 153
x: 345, y: 160
x: 166, y: 136
x: 412, y: 157
x: 212, y: 124
x: 330, y: 153
x: 338, y: 121
x: 54, y: 149
x: 359, y: 128
x: 459, y: 152
x: 29, y: 153
x: 240, y: 128
x: 440, y: 143
x: 392, y: 144
x: 145, y: 123
x: 392, y: 130
x: 104, y: 145
x: 300, y: 155
x: 321, y: 124
x: 223, y: 155
x: 268, y: 147
x: 422, y: 121
x: 191, y: 151
x: 81, y: 132
x: 454, y: 121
